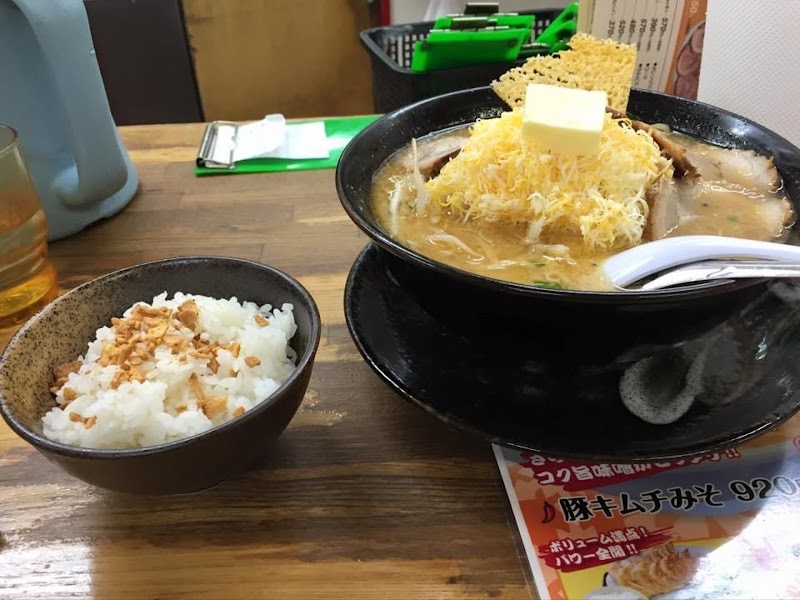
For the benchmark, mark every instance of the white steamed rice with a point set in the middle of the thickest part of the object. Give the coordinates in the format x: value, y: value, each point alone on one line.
x: 163, y: 407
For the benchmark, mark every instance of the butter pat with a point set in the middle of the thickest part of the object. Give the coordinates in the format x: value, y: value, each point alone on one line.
x: 564, y: 120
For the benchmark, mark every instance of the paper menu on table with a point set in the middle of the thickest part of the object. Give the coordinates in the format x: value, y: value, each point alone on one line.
x: 668, y: 34
x: 716, y: 526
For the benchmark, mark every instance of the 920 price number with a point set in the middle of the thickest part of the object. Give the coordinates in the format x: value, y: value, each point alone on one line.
x: 761, y: 488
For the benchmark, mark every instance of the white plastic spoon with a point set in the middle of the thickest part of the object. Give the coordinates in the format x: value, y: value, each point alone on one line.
x: 630, y: 266
x: 713, y: 270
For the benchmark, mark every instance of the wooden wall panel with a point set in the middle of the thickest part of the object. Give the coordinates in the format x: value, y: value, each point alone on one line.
x: 301, y: 58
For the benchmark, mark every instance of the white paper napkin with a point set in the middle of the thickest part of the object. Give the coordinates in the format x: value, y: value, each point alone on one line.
x: 273, y: 137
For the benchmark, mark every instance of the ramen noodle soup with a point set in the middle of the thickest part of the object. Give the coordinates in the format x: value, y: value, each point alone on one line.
x: 486, y: 199
x: 739, y: 195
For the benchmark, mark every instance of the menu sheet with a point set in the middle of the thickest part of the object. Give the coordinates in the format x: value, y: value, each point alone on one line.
x: 722, y: 525
x: 668, y: 34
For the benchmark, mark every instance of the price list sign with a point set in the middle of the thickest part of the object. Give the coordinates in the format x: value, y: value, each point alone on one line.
x: 668, y: 35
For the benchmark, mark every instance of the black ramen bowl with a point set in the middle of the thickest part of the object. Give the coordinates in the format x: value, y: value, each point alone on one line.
x: 61, y: 331
x: 596, y: 325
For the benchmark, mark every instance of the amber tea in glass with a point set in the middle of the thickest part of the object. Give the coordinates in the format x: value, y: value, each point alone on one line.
x: 27, y: 279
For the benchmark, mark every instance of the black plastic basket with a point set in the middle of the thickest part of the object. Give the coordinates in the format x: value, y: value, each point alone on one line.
x: 395, y: 85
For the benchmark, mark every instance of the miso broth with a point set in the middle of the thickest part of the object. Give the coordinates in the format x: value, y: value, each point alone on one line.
x: 731, y: 201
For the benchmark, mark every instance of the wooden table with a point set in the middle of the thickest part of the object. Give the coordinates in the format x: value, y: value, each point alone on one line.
x: 366, y: 495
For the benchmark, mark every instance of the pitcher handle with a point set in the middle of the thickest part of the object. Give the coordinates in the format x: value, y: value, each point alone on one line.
x: 98, y: 170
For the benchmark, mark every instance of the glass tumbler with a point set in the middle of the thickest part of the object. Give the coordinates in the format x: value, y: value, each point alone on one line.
x: 27, y: 279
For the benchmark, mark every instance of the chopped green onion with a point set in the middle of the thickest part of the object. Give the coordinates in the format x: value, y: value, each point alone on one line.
x: 552, y: 285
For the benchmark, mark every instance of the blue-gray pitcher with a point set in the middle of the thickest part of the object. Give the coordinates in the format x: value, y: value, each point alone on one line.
x: 52, y: 93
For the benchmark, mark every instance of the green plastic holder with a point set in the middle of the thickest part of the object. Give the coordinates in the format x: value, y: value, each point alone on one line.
x: 449, y: 49
x: 338, y: 133
x: 475, y: 39
x: 557, y: 36
x: 497, y: 20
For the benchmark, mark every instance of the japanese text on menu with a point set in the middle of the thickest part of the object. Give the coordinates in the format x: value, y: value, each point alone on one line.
x: 652, y: 25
